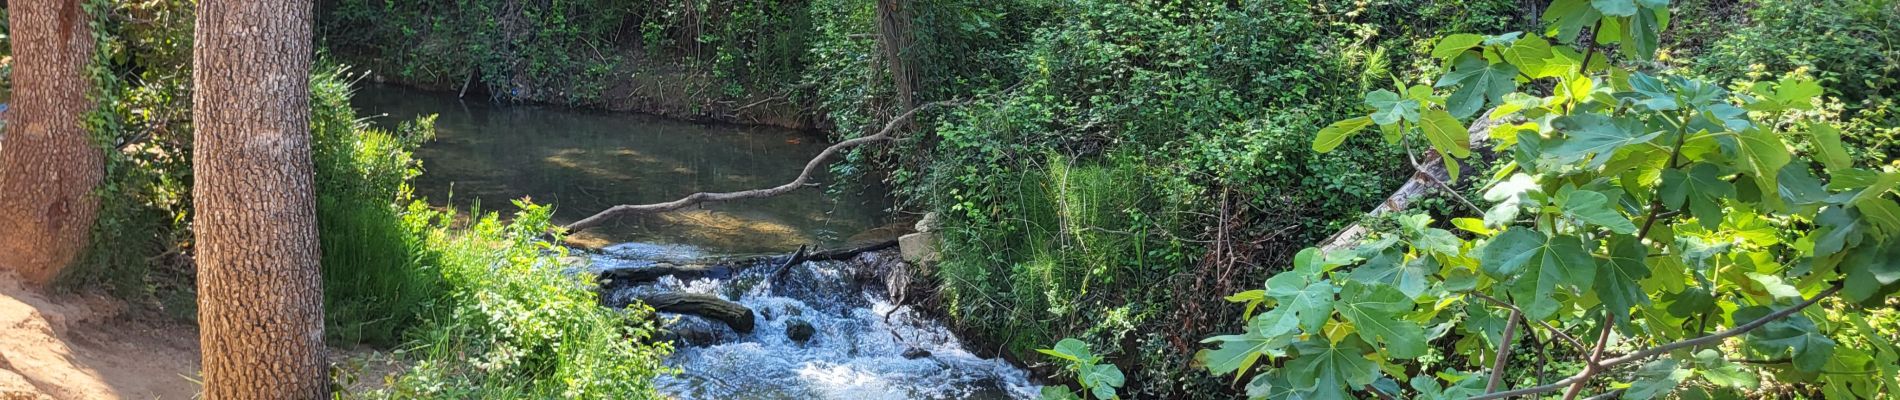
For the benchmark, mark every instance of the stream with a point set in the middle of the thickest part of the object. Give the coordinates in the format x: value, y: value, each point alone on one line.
x: 862, y: 344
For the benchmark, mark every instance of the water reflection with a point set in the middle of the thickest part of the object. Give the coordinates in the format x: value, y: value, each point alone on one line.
x: 587, y: 161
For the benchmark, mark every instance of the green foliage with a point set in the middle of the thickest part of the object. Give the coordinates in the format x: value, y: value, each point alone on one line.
x: 144, y: 196
x: 557, y: 51
x: 517, y: 324
x: 377, y: 269
x: 1658, y: 207
x: 1098, y: 379
x: 1194, y: 109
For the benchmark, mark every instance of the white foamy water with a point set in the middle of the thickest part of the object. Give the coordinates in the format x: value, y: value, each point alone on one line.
x: 858, y: 349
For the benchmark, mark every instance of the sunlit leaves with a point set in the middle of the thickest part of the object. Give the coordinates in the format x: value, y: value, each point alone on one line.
x: 1454, y: 45
x: 1446, y: 134
x: 1389, y: 108
x: 1335, y: 134
x: 1100, y: 379
x: 1530, y: 54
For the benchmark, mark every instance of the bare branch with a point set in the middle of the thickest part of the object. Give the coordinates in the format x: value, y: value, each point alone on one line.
x: 812, y: 167
x: 1504, y: 353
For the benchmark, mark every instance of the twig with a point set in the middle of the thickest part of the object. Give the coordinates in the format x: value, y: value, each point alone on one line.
x: 1504, y: 353
x: 812, y: 167
x: 1553, y: 330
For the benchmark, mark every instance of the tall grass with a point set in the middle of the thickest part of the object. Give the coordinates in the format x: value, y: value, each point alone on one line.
x: 378, y: 277
x: 1081, y: 241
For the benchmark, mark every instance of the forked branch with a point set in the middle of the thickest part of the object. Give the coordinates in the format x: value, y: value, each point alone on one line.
x: 817, y: 163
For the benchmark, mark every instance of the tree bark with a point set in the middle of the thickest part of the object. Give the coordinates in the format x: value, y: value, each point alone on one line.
x: 48, y: 165
x: 260, y: 294
x: 893, y: 28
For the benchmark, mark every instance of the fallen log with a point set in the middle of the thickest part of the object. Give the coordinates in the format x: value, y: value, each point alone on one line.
x: 726, y: 268
x: 1429, y: 174
x: 703, y: 305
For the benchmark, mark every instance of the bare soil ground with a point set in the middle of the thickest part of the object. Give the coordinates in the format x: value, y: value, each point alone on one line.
x: 88, y: 347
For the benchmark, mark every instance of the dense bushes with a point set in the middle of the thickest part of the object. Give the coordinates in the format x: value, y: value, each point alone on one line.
x: 1851, y: 46
x: 1190, y: 123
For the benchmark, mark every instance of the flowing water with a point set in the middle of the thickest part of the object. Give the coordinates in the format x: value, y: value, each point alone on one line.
x: 863, y: 344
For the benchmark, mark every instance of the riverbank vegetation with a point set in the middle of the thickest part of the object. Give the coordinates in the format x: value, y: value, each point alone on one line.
x: 1145, y: 186
x: 1119, y: 167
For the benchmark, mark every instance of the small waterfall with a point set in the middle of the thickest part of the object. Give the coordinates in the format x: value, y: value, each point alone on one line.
x: 861, y: 344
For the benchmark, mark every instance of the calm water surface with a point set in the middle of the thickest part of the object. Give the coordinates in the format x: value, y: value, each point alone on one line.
x: 583, y: 162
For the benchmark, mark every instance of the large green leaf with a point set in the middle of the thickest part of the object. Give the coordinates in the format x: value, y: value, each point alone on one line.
x: 1568, y: 18
x: 1102, y: 379
x: 1615, y: 8
x: 1641, y: 35
x: 1793, y: 335
x: 1266, y: 336
x: 1333, y: 135
x: 1070, y: 350
x: 1536, y: 266
x: 1594, y: 207
x: 1765, y: 155
x: 1619, y: 282
x: 1479, y: 81
x: 1375, y: 310
x: 1507, y: 254
x: 1828, y: 149
x: 1871, y: 271
x: 1307, y: 304
x: 1446, y: 134
x: 1529, y: 54
x: 1702, y: 188
x: 1388, y: 108
x: 1324, y: 364
x: 1456, y: 44
x: 1586, y: 134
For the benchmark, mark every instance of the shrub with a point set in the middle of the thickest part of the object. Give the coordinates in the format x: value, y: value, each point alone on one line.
x: 518, y: 323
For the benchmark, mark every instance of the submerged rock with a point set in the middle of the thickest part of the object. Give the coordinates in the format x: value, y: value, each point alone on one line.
x: 798, y: 330
x: 916, y: 353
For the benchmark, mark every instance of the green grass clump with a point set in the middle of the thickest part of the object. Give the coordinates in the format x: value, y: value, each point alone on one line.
x: 516, y: 325
x: 377, y: 274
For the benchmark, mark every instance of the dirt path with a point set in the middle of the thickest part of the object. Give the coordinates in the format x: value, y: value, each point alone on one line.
x: 87, y: 347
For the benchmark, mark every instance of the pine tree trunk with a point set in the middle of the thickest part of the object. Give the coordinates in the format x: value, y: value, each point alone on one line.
x: 260, y: 294
x: 48, y: 165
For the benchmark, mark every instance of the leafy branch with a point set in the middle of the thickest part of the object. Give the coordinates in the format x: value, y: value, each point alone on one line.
x: 1663, y: 349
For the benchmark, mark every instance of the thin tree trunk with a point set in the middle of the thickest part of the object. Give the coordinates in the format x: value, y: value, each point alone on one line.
x: 260, y: 294
x: 893, y: 27
x: 48, y: 166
